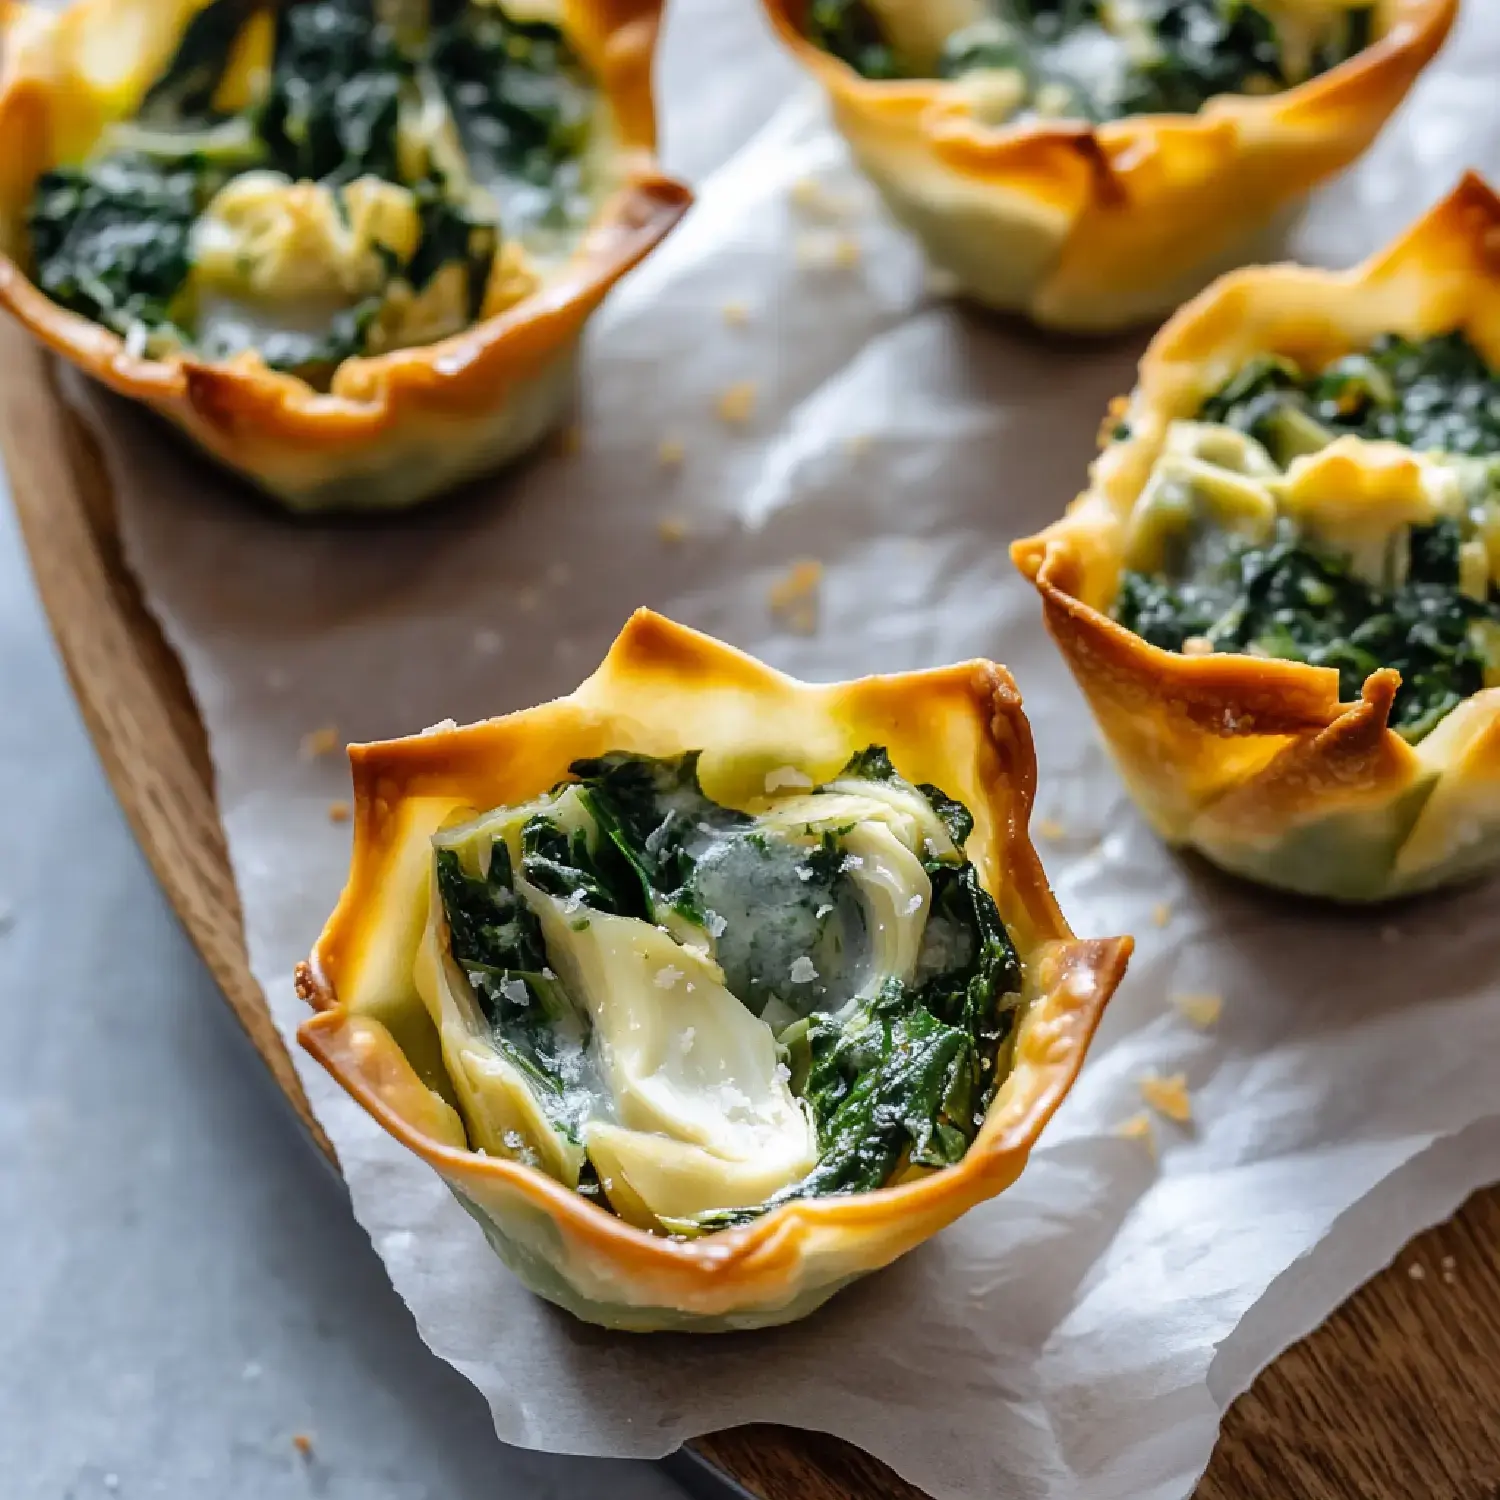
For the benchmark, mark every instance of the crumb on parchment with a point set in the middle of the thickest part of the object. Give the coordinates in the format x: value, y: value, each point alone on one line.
x: 303, y: 1443
x: 1201, y: 1010
x: 319, y: 742
x: 670, y: 452
x: 795, y: 596
x: 672, y: 529
x: 339, y: 812
x: 814, y: 199
x: 1168, y: 1096
x: 1138, y: 1128
x: 857, y: 443
x: 1161, y: 913
x: 736, y: 403
x: 822, y: 250
x: 736, y: 313
x: 1051, y: 830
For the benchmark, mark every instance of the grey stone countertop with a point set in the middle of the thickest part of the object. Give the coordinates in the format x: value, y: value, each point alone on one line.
x: 186, y: 1301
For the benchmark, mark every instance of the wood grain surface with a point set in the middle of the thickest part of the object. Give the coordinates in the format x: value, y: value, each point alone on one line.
x: 1397, y: 1397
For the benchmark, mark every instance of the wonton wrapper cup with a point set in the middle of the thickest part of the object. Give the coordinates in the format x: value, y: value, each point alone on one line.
x: 1253, y: 762
x: 395, y: 429
x: 1094, y: 228
x: 664, y: 689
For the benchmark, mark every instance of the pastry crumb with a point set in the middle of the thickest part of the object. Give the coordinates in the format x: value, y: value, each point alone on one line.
x: 1138, y: 1128
x: 822, y: 250
x: 1051, y: 830
x: 857, y: 443
x: 795, y: 596
x: 1168, y: 1096
x: 810, y: 195
x: 672, y: 529
x: 303, y: 1443
x: 339, y: 812
x: 1197, y: 645
x: 736, y: 403
x: 1161, y: 913
x: 319, y: 742
x: 1447, y: 1263
x: 736, y: 313
x: 1417, y: 1271
x: 1202, y: 1011
x: 670, y: 452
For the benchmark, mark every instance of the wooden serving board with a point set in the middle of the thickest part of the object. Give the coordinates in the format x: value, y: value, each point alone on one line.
x: 1397, y: 1397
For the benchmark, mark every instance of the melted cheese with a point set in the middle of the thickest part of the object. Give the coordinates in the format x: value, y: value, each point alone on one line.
x: 269, y: 238
x: 1358, y: 497
x: 1206, y: 473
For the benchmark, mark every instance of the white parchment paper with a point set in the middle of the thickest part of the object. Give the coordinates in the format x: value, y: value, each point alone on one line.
x: 1080, y: 1336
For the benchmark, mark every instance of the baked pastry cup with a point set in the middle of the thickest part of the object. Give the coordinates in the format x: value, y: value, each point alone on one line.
x: 1096, y: 227
x: 422, y: 1068
x: 1254, y: 762
x: 387, y: 430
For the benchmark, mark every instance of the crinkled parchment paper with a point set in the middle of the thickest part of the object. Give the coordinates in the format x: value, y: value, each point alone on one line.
x: 1081, y: 1335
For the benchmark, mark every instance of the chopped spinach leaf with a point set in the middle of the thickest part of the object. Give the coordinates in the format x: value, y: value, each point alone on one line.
x: 894, y: 1071
x: 114, y: 243
x: 1073, y: 57
x: 185, y: 91
x: 1300, y: 602
x: 113, y: 238
x: 1430, y: 394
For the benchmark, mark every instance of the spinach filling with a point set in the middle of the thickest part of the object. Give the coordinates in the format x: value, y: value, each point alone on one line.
x: 892, y: 1071
x: 356, y: 89
x: 1433, y: 615
x: 1097, y: 60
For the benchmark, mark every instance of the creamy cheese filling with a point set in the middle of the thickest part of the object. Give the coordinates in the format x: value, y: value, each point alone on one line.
x: 615, y: 969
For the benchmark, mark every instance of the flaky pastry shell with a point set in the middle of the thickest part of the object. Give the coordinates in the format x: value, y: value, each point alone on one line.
x: 1093, y: 228
x: 1253, y: 762
x: 661, y: 690
x: 394, y: 429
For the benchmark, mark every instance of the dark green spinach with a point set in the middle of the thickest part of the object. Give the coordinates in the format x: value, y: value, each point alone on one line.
x: 114, y: 242
x: 113, y: 239
x: 1203, y: 48
x: 900, y: 1075
x: 1294, y: 600
x: 496, y: 940
x: 1430, y: 394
